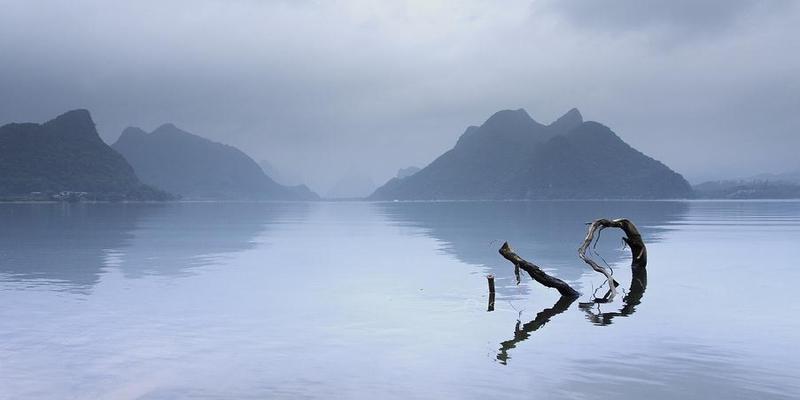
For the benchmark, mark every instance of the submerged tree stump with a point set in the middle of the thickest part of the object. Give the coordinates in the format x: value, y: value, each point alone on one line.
x: 490, y: 280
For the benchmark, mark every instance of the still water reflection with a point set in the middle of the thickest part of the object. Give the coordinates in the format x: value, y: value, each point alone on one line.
x: 365, y: 300
x: 69, y: 246
x: 547, y: 232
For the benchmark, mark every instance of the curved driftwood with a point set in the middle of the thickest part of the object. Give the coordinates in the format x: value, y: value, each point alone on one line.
x: 632, y: 238
x: 536, y: 273
x: 568, y: 295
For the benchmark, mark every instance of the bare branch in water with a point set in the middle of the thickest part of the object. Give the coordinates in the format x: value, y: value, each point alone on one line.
x: 633, y: 239
x: 536, y: 273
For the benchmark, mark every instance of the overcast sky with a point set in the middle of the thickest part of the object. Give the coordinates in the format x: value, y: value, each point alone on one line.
x: 326, y: 88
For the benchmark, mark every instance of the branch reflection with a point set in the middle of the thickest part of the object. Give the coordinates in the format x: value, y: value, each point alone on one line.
x: 632, y: 299
x: 522, y: 333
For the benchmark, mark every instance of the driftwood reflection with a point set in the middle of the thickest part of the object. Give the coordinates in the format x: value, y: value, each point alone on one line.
x: 523, y: 331
x: 592, y: 309
x: 632, y: 299
x: 633, y: 239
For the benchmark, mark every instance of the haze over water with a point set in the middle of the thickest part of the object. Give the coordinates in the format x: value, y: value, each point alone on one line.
x: 389, y: 300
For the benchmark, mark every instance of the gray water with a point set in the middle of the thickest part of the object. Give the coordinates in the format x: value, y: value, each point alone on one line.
x: 389, y: 300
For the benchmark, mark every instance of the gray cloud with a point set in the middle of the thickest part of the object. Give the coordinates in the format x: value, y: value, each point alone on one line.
x: 674, y: 17
x: 322, y: 88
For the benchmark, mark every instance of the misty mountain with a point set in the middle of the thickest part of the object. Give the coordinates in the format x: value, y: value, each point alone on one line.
x: 748, y: 189
x: 66, y: 154
x: 406, y: 172
x: 353, y: 185
x: 280, y: 175
x: 511, y: 156
x: 791, y: 177
x: 197, y: 168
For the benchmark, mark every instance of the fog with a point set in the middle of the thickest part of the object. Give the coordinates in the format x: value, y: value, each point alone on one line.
x: 324, y: 88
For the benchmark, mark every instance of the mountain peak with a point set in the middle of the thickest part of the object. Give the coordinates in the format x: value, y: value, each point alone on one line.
x: 169, y: 131
x: 131, y: 134
x: 73, y: 122
x: 195, y: 167
x: 74, y: 115
x: 66, y: 154
x: 511, y: 126
x: 134, y: 131
x: 571, y: 120
x: 506, y: 158
x: 505, y: 119
x: 168, y: 127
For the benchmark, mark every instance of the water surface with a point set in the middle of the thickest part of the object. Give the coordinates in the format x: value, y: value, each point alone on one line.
x: 388, y: 300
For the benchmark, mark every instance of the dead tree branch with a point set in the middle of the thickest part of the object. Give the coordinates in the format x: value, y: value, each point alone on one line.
x: 536, y: 273
x: 632, y: 238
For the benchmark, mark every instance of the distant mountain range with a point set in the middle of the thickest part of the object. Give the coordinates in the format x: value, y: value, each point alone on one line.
x: 353, y: 185
x: 785, y: 185
x: 197, y: 168
x: 511, y: 156
x: 791, y: 177
x: 748, y: 189
x: 280, y: 175
x: 65, y: 158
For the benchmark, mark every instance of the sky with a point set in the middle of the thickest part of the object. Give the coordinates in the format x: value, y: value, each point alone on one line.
x: 327, y: 90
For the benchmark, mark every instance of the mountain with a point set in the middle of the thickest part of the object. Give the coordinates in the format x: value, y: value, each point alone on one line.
x: 511, y: 156
x: 66, y: 155
x: 748, y: 189
x: 197, y: 168
x: 790, y: 177
x: 406, y: 172
x: 280, y: 175
x: 352, y: 185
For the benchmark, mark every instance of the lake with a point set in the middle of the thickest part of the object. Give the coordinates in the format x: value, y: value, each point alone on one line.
x: 389, y: 300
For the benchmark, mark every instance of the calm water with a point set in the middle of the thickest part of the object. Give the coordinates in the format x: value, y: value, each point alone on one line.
x: 388, y: 300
